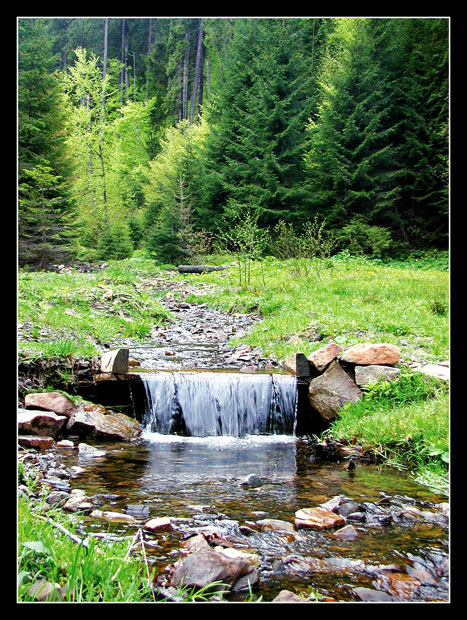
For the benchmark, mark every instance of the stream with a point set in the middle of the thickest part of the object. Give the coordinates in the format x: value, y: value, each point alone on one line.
x: 399, y: 548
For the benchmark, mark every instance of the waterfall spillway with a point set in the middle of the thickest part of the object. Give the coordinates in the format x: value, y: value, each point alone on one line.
x: 203, y: 404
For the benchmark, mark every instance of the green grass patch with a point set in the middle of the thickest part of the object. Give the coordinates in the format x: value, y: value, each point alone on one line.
x: 406, y: 421
x: 99, y: 573
x: 69, y: 314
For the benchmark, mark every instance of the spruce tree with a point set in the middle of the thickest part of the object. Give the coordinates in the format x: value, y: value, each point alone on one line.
x: 44, y: 203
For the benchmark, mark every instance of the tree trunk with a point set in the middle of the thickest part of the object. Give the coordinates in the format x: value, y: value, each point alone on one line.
x: 185, y: 77
x: 122, y: 61
x: 101, y: 144
x: 197, y: 70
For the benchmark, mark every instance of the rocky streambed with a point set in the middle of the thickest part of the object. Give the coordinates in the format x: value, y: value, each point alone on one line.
x: 262, y: 515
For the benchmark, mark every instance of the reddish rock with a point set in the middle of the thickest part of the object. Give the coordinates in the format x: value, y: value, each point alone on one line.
x: 317, y: 518
x: 321, y: 358
x: 372, y: 353
x: 34, y: 441
x: 346, y: 533
x: 329, y: 392
x: 157, y: 524
x: 399, y: 584
x: 50, y: 401
x: 285, y: 596
x: 276, y: 525
x: 38, y: 422
x: 93, y: 420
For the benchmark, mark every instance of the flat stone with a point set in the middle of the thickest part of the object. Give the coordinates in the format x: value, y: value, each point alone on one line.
x: 365, y: 353
x: 114, y: 517
x: 364, y: 375
x: 346, y: 533
x: 276, y: 525
x: 436, y: 370
x: 39, y: 422
x: 321, y: 358
x: 317, y: 518
x: 157, y: 524
x: 77, y: 503
x: 36, y: 442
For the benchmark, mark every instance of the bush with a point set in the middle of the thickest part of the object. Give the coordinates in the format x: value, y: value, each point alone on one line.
x: 359, y: 237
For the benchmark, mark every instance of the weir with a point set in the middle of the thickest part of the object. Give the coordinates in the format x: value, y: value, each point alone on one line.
x: 204, y: 404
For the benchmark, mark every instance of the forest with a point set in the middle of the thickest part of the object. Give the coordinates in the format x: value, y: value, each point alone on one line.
x: 161, y: 135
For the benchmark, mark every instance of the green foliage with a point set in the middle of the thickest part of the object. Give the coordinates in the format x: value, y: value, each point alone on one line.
x: 115, y: 242
x: 359, y: 237
x: 98, y: 573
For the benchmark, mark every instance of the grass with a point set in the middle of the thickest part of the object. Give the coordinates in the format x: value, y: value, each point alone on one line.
x: 71, y: 314
x: 353, y: 300
x: 98, y: 573
x: 344, y: 299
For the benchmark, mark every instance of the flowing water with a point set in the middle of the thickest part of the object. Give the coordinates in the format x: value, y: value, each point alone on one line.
x: 204, y: 432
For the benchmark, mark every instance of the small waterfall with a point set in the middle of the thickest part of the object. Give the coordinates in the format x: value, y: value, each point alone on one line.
x: 203, y: 404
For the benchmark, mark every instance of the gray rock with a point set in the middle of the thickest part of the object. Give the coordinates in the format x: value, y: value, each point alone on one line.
x: 329, y: 392
x: 364, y: 375
x: 251, y: 481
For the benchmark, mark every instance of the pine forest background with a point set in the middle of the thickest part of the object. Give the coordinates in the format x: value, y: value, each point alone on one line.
x: 159, y: 135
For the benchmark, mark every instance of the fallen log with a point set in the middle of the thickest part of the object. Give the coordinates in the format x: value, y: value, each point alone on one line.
x: 199, y: 268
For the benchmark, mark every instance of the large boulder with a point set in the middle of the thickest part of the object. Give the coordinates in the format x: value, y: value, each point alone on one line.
x: 50, y: 401
x: 321, y: 358
x: 365, y: 353
x: 203, y: 567
x: 329, y: 392
x: 41, y: 423
x: 90, y: 420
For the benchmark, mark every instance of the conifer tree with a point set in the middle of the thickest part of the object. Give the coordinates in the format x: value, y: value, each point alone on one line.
x: 44, y: 203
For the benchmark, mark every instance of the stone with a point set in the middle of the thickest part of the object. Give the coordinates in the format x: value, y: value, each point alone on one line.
x: 195, y: 543
x: 276, y: 525
x: 36, y: 442
x: 346, y: 533
x: 321, y: 358
x: 329, y: 392
x: 297, y: 364
x: 251, y: 481
x: 317, y: 518
x: 85, y: 449
x: 65, y: 443
x: 201, y: 568
x: 115, y: 362
x: 51, y: 401
x: 113, y: 517
x: 78, y: 503
x: 373, y: 596
x: 38, y: 422
x: 436, y: 370
x: 366, y: 353
x: 42, y: 590
x: 158, y: 524
x: 285, y: 596
x: 94, y: 421
x: 364, y: 375
x: 400, y: 585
